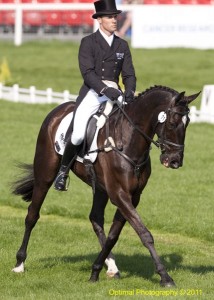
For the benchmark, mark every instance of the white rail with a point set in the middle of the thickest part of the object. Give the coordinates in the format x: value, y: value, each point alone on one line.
x: 32, y: 95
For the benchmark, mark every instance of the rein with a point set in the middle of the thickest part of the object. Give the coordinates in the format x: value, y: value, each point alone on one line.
x: 137, y: 167
x: 157, y: 144
x: 160, y: 143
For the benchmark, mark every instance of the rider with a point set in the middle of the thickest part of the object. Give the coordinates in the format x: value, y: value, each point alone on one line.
x: 103, y: 56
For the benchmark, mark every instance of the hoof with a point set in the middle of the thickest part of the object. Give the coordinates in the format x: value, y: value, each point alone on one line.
x: 113, y: 275
x: 19, y: 269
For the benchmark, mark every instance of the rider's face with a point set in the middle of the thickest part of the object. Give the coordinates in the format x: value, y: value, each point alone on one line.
x: 108, y: 24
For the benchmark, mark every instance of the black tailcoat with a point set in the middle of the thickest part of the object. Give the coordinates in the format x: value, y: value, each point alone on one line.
x: 98, y: 61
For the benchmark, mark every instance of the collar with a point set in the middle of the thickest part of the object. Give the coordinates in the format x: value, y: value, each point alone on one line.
x: 109, y: 39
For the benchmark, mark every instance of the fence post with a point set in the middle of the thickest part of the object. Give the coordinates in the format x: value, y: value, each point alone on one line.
x: 32, y: 94
x: 16, y: 92
x: 49, y: 95
x: 66, y: 96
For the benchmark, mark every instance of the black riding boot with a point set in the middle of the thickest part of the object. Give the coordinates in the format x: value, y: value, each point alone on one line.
x: 67, y: 160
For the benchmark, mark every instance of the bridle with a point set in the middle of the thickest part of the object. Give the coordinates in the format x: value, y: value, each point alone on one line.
x: 162, y: 141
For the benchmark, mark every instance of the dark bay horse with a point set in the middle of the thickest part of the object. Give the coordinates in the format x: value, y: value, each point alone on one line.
x: 121, y: 174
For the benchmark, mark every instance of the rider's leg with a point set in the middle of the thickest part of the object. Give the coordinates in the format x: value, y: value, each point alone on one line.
x: 86, y: 108
x: 69, y: 155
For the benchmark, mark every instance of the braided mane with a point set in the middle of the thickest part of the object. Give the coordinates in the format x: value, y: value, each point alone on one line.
x: 157, y: 87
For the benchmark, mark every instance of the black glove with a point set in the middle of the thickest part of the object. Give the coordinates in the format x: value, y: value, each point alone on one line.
x: 112, y: 93
x: 129, y: 96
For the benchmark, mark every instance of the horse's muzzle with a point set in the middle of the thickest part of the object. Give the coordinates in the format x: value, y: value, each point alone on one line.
x: 171, y: 161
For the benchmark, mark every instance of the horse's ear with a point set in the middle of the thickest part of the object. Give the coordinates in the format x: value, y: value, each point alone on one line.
x: 189, y: 99
x: 178, y: 98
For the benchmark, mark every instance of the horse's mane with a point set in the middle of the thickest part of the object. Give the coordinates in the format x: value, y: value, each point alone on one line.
x: 157, y: 87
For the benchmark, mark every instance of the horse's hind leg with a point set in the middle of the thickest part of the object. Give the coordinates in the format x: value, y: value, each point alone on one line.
x: 96, y: 217
x: 45, y: 169
x: 30, y: 221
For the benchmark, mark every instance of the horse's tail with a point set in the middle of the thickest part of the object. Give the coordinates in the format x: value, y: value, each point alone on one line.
x: 24, y: 185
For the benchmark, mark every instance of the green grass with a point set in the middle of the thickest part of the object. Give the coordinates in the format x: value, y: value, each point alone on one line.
x: 62, y: 249
x: 177, y: 205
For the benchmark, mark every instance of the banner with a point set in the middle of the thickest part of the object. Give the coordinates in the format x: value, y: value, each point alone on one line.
x: 163, y: 26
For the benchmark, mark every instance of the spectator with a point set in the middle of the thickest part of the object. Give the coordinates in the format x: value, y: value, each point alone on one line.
x: 126, y: 19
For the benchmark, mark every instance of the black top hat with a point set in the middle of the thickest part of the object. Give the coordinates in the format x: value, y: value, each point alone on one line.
x: 104, y: 8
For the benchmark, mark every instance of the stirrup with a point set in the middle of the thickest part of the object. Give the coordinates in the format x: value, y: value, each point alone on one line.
x: 62, y: 186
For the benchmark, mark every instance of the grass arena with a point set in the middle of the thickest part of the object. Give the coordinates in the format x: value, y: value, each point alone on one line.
x: 177, y: 205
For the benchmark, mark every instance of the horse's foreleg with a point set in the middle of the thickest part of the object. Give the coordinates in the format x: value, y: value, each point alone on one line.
x: 30, y: 221
x: 96, y: 217
x: 130, y: 214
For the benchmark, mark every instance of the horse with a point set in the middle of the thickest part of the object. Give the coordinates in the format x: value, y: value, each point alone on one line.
x: 119, y: 175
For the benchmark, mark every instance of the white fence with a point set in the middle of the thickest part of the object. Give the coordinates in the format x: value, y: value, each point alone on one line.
x: 206, y: 112
x: 32, y: 95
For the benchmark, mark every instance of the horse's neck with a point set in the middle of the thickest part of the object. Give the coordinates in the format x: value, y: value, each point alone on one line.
x: 144, y: 117
x: 147, y: 107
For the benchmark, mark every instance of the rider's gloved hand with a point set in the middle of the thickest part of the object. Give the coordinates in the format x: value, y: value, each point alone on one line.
x: 112, y: 93
x: 129, y: 95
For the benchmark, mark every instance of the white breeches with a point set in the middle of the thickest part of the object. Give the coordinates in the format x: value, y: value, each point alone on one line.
x: 85, y: 110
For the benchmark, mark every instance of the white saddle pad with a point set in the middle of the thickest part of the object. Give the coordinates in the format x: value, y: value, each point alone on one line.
x: 60, y: 139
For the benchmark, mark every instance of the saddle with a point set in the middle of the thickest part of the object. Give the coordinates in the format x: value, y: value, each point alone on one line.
x: 89, y: 148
